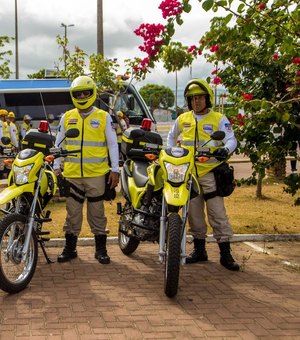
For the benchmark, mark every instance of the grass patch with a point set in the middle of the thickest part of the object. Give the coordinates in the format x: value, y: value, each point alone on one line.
x: 275, y: 214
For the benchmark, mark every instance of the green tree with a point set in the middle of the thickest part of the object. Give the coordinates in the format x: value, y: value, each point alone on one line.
x: 5, y: 71
x: 257, y: 49
x: 38, y: 75
x: 175, y: 56
x: 254, y: 50
x: 157, y: 96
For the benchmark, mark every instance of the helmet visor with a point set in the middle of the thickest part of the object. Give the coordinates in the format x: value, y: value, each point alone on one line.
x: 82, y: 94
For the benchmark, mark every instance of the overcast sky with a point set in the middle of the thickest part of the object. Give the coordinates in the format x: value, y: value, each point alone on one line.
x: 40, y: 21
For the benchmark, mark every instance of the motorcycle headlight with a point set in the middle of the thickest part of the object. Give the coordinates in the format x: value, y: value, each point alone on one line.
x: 176, y: 173
x: 21, y: 174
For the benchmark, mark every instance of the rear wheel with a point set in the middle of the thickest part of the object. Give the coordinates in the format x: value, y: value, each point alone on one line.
x: 172, y: 257
x: 16, y: 272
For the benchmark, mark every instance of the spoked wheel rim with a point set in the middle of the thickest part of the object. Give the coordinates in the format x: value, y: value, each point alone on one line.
x: 16, y: 270
x: 13, y: 268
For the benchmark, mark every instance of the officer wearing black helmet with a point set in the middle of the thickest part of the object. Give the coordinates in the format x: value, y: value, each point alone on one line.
x: 196, y: 126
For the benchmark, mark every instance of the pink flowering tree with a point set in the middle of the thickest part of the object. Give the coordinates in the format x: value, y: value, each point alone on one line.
x: 254, y: 50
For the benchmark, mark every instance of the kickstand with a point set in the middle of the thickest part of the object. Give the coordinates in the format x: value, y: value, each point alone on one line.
x: 41, y: 242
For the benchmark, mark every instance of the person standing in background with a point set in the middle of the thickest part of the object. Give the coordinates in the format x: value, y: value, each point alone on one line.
x: 26, y: 125
x: 13, y: 130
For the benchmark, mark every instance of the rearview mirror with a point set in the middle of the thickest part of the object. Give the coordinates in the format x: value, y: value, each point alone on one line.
x: 5, y: 140
x: 218, y: 135
x: 72, y: 133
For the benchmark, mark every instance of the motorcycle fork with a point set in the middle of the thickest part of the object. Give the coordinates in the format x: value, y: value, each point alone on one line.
x: 162, y: 228
x: 162, y: 231
x: 31, y: 220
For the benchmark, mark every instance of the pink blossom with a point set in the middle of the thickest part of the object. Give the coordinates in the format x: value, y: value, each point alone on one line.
x: 152, y: 35
x: 170, y: 8
x: 275, y: 56
x: 298, y: 73
x: 296, y: 60
x: 247, y: 96
x: 214, y: 48
x: 217, y: 81
x: 261, y: 6
x: 215, y: 71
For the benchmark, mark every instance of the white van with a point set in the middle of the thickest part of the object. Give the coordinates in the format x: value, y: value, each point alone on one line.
x: 38, y: 97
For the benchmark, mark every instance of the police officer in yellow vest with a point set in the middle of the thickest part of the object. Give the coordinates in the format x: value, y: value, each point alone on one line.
x: 3, y: 124
x: 196, y: 126
x: 25, y: 126
x: 86, y: 173
x: 13, y: 130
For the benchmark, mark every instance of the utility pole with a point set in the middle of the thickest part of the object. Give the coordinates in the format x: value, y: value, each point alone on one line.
x: 16, y: 39
x: 100, y: 49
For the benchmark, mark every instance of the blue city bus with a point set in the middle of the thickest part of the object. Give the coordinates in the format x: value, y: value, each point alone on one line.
x: 41, y: 97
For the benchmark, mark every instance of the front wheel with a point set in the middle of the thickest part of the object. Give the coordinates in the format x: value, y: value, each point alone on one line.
x: 15, y: 272
x: 173, y: 252
x: 128, y: 245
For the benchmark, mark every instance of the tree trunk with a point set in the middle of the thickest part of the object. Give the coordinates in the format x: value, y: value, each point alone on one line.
x: 259, y: 186
x: 176, y: 88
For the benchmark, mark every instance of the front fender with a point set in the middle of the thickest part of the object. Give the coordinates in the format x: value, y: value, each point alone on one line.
x: 14, y: 191
x: 177, y: 196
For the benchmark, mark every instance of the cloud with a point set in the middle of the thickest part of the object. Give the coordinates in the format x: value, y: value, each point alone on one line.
x: 40, y: 22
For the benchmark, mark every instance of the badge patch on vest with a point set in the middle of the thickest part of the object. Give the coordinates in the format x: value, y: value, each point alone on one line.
x: 186, y: 125
x: 72, y: 121
x: 228, y: 126
x: 95, y: 123
x: 208, y: 128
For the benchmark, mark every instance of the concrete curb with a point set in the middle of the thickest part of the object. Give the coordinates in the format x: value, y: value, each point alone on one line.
x: 89, y: 241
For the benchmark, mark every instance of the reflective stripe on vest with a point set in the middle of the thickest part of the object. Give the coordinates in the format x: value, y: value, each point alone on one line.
x: 92, y: 161
x: 205, y: 127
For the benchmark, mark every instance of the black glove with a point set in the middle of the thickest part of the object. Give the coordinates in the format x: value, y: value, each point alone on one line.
x: 221, y: 154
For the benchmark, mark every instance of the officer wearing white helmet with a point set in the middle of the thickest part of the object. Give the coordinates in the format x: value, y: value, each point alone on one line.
x: 86, y: 173
x: 196, y: 126
x: 53, y: 125
x: 26, y: 125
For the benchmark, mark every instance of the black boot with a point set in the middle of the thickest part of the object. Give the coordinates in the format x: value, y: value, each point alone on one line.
x: 101, y: 252
x: 69, y: 251
x: 199, y: 253
x: 226, y: 259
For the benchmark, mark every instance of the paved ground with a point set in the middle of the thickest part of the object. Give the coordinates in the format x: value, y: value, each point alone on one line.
x: 125, y: 300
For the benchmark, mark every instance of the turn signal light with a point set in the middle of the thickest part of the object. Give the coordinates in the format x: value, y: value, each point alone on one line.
x: 8, y: 161
x: 151, y: 156
x: 202, y: 159
x: 49, y: 158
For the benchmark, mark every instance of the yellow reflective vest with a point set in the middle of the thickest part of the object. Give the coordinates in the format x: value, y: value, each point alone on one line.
x: 92, y: 161
x: 195, y: 136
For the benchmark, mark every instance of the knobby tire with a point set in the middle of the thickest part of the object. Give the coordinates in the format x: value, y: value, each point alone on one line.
x: 173, y: 252
x: 13, y: 265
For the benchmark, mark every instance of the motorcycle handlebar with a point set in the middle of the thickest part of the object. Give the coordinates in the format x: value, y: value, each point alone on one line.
x: 209, y: 155
x: 63, y: 153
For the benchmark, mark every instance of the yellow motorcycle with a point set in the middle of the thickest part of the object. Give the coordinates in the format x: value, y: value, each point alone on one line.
x: 31, y: 185
x: 157, y: 185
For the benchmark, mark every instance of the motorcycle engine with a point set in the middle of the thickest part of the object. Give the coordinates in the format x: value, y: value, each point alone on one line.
x: 146, y: 225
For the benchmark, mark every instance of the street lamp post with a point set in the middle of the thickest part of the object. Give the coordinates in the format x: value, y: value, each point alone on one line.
x: 16, y: 39
x: 65, y: 46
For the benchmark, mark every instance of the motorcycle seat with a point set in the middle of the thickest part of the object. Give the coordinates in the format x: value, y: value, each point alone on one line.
x: 139, y: 173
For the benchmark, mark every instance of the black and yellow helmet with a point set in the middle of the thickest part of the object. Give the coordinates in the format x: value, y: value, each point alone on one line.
x: 196, y: 87
x: 83, y: 84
